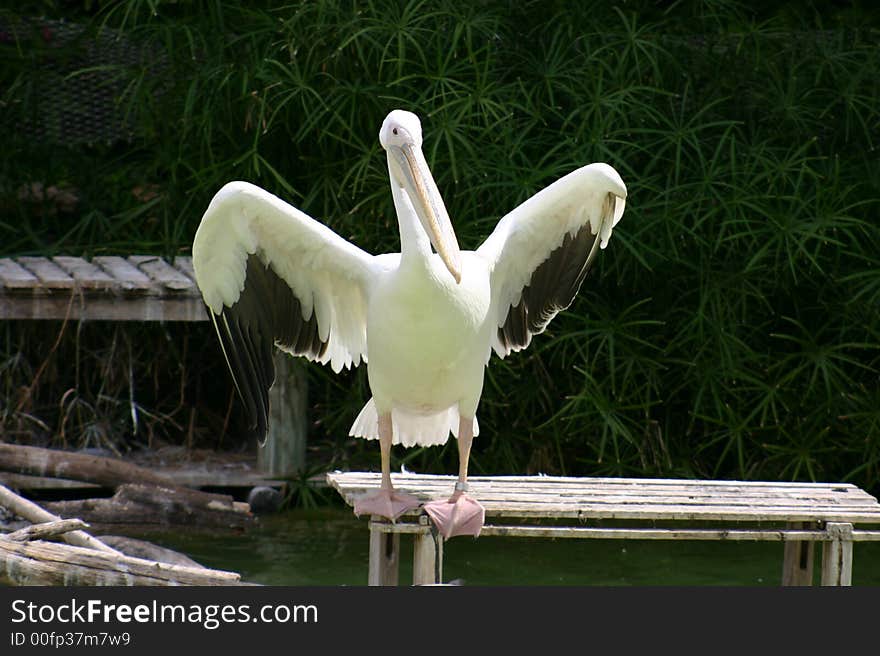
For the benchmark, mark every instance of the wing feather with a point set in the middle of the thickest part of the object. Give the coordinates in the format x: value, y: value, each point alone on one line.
x: 540, y: 253
x: 273, y: 277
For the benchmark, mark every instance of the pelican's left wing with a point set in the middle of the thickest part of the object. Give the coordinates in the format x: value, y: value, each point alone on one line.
x: 271, y: 275
x: 539, y: 253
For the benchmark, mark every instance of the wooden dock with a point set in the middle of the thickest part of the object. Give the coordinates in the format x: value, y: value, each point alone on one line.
x: 107, y: 288
x: 797, y: 514
x: 147, y: 288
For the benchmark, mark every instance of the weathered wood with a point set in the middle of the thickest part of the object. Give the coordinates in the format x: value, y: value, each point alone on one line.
x: 47, y: 563
x: 284, y: 453
x: 561, y: 497
x: 50, y: 274
x: 148, y: 551
x: 163, y: 273
x: 796, y: 510
x: 126, y: 274
x: 109, y: 288
x: 797, y: 559
x: 194, y: 476
x: 109, y: 472
x: 13, y: 276
x: 37, y: 515
x: 185, y: 266
x: 85, y: 274
x: 837, y: 555
x: 556, y: 497
x: 384, y: 558
x: 144, y: 505
x: 108, y: 308
x: 427, y: 562
x: 47, y: 530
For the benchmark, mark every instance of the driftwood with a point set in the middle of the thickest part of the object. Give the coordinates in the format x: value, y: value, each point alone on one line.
x: 48, y: 563
x: 25, y: 559
x: 107, y: 472
x: 37, y: 515
x: 158, y: 506
x: 48, y: 530
x: 142, y: 496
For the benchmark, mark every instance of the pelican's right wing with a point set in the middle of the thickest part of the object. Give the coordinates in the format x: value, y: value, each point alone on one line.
x: 271, y: 275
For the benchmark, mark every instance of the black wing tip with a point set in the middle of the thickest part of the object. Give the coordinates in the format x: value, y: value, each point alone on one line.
x: 553, y: 286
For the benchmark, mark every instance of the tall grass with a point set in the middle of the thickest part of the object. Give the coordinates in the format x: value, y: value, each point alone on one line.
x: 731, y: 329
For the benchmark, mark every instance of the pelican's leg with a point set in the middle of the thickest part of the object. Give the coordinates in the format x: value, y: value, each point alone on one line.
x: 386, y: 501
x: 461, y: 514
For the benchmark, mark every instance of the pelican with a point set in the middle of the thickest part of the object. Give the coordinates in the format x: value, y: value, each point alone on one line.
x: 426, y: 321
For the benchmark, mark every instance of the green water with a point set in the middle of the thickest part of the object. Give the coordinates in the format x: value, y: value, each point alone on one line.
x: 329, y: 547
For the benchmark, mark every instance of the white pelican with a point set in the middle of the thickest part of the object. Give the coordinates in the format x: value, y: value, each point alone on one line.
x: 428, y: 322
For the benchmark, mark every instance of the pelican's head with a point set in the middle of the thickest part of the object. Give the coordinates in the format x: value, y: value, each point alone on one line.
x: 401, y: 137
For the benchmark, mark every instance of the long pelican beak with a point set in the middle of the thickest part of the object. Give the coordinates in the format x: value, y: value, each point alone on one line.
x: 429, y: 205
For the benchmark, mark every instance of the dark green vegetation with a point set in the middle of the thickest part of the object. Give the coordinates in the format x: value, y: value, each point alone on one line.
x: 731, y: 329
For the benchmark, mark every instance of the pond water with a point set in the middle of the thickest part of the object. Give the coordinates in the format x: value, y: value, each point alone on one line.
x: 329, y: 547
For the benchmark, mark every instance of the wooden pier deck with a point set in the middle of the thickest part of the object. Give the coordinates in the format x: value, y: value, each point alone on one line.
x: 797, y: 514
x: 106, y: 288
x: 147, y: 288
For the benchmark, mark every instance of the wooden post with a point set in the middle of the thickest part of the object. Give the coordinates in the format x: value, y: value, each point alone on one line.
x: 427, y: 562
x: 285, y: 450
x: 798, y: 557
x: 384, y: 555
x: 837, y: 554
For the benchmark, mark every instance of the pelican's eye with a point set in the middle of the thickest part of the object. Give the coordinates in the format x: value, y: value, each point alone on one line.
x: 394, y: 131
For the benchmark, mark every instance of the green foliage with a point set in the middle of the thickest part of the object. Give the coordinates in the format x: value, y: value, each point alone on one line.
x: 731, y: 329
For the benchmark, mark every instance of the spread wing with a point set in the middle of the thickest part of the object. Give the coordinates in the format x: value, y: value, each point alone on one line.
x: 539, y: 253
x: 271, y: 275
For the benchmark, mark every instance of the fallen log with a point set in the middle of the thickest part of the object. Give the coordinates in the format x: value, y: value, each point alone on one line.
x: 100, y: 470
x: 49, y: 563
x: 26, y: 560
x: 48, y: 530
x: 37, y: 515
x: 147, y: 505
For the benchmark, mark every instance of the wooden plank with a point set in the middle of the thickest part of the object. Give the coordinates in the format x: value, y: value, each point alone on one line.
x: 544, y: 485
x: 108, y: 308
x: 541, y: 480
x: 828, y: 502
x: 604, y: 485
x: 126, y: 274
x: 13, y: 276
x: 163, y: 273
x: 787, y: 536
x: 85, y: 274
x: 797, y: 559
x: 384, y: 558
x: 608, y: 533
x: 184, y: 264
x: 50, y: 274
x: 539, y: 491
x: 837, y: 555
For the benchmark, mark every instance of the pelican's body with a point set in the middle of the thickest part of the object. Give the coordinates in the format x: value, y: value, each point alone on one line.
x: 426, y: 321
x: 429, y: 339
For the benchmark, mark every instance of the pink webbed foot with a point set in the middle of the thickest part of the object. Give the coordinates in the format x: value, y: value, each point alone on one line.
x: 385, y: 503
x: 460, y: 514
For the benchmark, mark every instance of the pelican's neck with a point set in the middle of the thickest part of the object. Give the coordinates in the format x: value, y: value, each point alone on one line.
x: 415, y: 247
